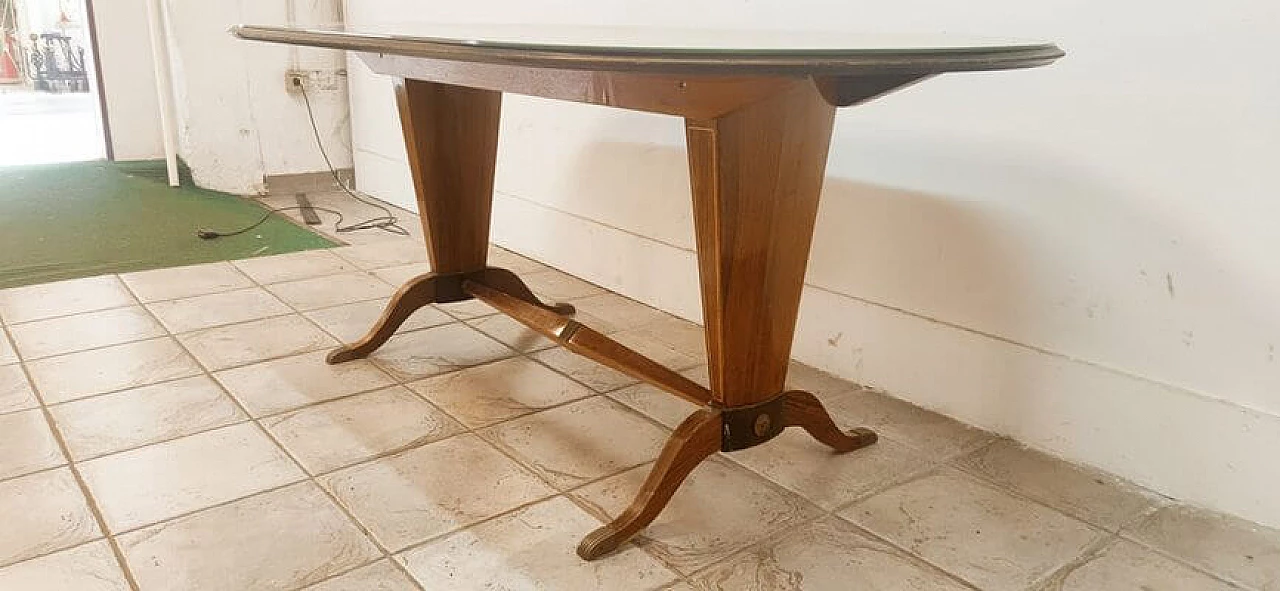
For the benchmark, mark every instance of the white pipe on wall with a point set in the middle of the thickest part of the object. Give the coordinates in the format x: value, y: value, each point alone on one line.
x: 291, y: 19
x: 164, y: 87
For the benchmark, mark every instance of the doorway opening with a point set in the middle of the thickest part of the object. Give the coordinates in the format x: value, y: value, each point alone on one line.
x: 50, y: 110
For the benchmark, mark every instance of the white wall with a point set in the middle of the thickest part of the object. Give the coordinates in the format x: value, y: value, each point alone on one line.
x: 129, y: 82
x: 1079, y: 256
x: 237, y: 122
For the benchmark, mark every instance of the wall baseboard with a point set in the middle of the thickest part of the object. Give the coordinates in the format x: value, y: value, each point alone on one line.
x: 307, y: 182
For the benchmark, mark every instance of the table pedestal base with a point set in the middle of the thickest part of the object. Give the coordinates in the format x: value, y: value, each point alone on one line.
x: 706, y: 432
x: 757, y: 153
x: 709, y: 430
x: 435, y: 288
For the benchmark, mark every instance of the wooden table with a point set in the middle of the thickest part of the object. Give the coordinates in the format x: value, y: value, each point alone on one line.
x: 758, y: 111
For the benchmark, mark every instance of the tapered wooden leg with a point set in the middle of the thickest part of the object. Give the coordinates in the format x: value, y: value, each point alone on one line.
x: 451, y: 136
x: 695, y: 439
x: 756, y: 174
x: 802, y: 409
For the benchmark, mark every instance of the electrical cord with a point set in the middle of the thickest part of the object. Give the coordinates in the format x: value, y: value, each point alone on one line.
x: 208, y: 234
x: 388, y: 222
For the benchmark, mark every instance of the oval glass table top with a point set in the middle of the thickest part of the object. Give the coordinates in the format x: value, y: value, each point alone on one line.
x: 671, y: 49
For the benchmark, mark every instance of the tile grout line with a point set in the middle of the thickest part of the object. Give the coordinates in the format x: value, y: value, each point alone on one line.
x: 1091, y: 551
x: 949, y: 462
x: 218, y: 291
x: 927, y: 471
x: 1166, y: 554
x: 185, y: 514
x: 120, y: 391
x: 246, y: 418
x: 1105, y: 535
x: 556, y: 493
x: 138, y: 302
x: 203, y: 370
x: 175, y: 337
x: 891, y: 543
x: 75, y: 546
x: 68, y: 315
x: 351, y: 518
x: 8, y: 479
x: 823, y: 513
x: 596, y: 511
x: 151, y: 315
x: 24, y: 357
x: 907, y: 552
x: 928, y: 468
x: 781, y: 536
x: 169, y: 335
x: 307, y: 476
x: 291, y: 410
x: 1015, y: 492
x: 396, y: 383
x: 90, y: 502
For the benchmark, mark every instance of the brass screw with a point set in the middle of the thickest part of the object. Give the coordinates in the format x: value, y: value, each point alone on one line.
x: 762, y: 425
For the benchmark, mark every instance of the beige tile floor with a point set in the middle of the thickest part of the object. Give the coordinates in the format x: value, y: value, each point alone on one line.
x: 178, y: 429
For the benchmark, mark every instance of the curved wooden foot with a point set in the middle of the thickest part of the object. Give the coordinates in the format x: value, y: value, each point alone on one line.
x: 418, y: 292
x: 695, y: 439
x: 432, y: 288
x: 802, y: 409
x: 511, y: 284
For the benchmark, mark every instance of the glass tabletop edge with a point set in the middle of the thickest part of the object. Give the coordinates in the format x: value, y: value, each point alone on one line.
x: 829, y: 61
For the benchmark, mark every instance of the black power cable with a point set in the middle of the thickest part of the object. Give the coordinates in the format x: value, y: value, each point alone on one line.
x: 386, y: 222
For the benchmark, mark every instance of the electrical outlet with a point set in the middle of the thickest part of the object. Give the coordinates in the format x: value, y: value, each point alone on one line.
x: 295, y: 81
x: 313, y: 80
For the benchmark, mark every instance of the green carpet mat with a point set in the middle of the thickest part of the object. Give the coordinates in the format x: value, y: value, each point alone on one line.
x: 79, y: 219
